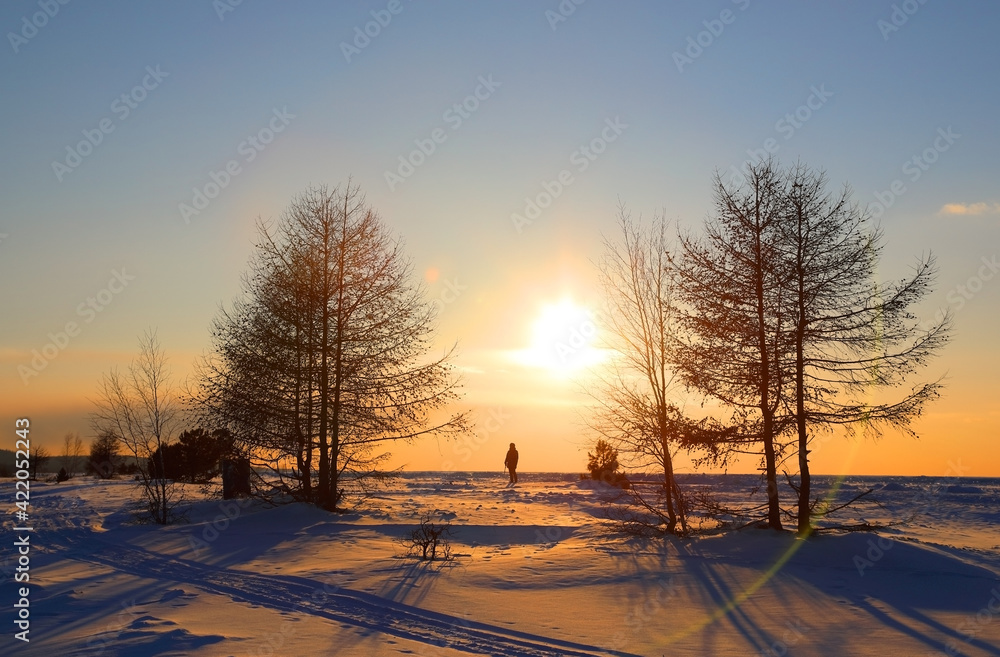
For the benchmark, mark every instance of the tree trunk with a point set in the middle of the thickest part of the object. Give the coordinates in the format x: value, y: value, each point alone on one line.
x: 771, y: 474
x: 805, y: 483
x: 338, y: 367
x: 668, y: 482
x: 767, y: 414
x: 323, y: 492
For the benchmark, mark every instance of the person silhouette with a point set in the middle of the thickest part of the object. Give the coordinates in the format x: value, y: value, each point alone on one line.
x: 511, y: 463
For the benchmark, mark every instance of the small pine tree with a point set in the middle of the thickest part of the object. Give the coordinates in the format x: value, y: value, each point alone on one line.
x: 603, y: 464
x: 104, y: 455
x: 62, y: 476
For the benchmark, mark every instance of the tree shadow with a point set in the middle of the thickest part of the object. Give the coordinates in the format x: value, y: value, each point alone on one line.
x: 747, y: 582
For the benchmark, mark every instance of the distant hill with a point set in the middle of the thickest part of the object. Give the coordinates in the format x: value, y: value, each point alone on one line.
x: 8, y: 457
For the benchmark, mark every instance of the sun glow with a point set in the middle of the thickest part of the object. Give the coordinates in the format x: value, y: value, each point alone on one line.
x: 563, y: 340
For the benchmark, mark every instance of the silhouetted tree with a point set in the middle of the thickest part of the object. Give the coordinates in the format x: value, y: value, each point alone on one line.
x: 603, y: 464
x: 167, y: 462
x: 39, y: 457
x: 138, y: 408
x: 635, y: 396
x: 325, y: 357
x: 736, y: 341
x: 786, y: 323
x: 195, y: 457
x: 104, y: 455
x: 430, y: 540
x: 72, y: 452
x: 851, y: 334
x: 603, y: 460
x: 203, y: 453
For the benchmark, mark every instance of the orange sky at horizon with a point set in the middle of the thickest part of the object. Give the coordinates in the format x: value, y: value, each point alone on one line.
x: 542, y: 409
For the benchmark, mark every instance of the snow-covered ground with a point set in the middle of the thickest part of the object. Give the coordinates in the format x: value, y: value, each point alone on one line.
x: 535, y: 573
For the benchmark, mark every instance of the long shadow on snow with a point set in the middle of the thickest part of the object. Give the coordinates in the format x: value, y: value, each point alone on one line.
x: 464, y: 534
x: 676, y: 569
x: 369, y: 612
x: 910, y: 578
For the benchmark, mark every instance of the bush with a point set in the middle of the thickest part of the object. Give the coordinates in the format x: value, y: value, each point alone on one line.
x: 194, y: 458
x: 429, y: 540
x: 603, y: 465
x: 62, y: 476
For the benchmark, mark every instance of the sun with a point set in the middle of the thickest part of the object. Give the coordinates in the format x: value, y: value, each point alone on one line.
x: 563, y: 340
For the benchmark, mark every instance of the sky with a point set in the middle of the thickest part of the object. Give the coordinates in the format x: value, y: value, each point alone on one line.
x: 141, y: 142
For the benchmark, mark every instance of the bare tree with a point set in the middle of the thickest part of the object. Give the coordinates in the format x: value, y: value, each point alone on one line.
x: 72, y: 452
x: 138, y: 408
x: 430, y: 540
x: 637, y: 395
x: 735, y: 315
x: 325, y: 358
x: 851, y: 334
x: 786, y: 323
x: 39, y: 457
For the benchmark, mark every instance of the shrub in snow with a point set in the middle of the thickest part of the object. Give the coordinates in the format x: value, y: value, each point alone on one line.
x: 429, y: 540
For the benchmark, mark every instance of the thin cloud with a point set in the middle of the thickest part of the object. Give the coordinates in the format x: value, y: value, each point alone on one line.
x: 970, y: 208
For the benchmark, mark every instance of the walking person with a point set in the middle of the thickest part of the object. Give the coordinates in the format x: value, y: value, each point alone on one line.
x: 511, y: 463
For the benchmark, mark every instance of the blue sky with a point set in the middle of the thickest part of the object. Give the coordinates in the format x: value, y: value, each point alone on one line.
x: 555, y: 86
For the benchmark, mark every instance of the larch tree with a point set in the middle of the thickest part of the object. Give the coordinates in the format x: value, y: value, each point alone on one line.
x: 852, y: 336
x: 326, y: 357
x: 784, y: 321
x: 734, y: 315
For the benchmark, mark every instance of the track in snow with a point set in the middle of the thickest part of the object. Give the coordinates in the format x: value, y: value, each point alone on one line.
x: 295, y: 594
